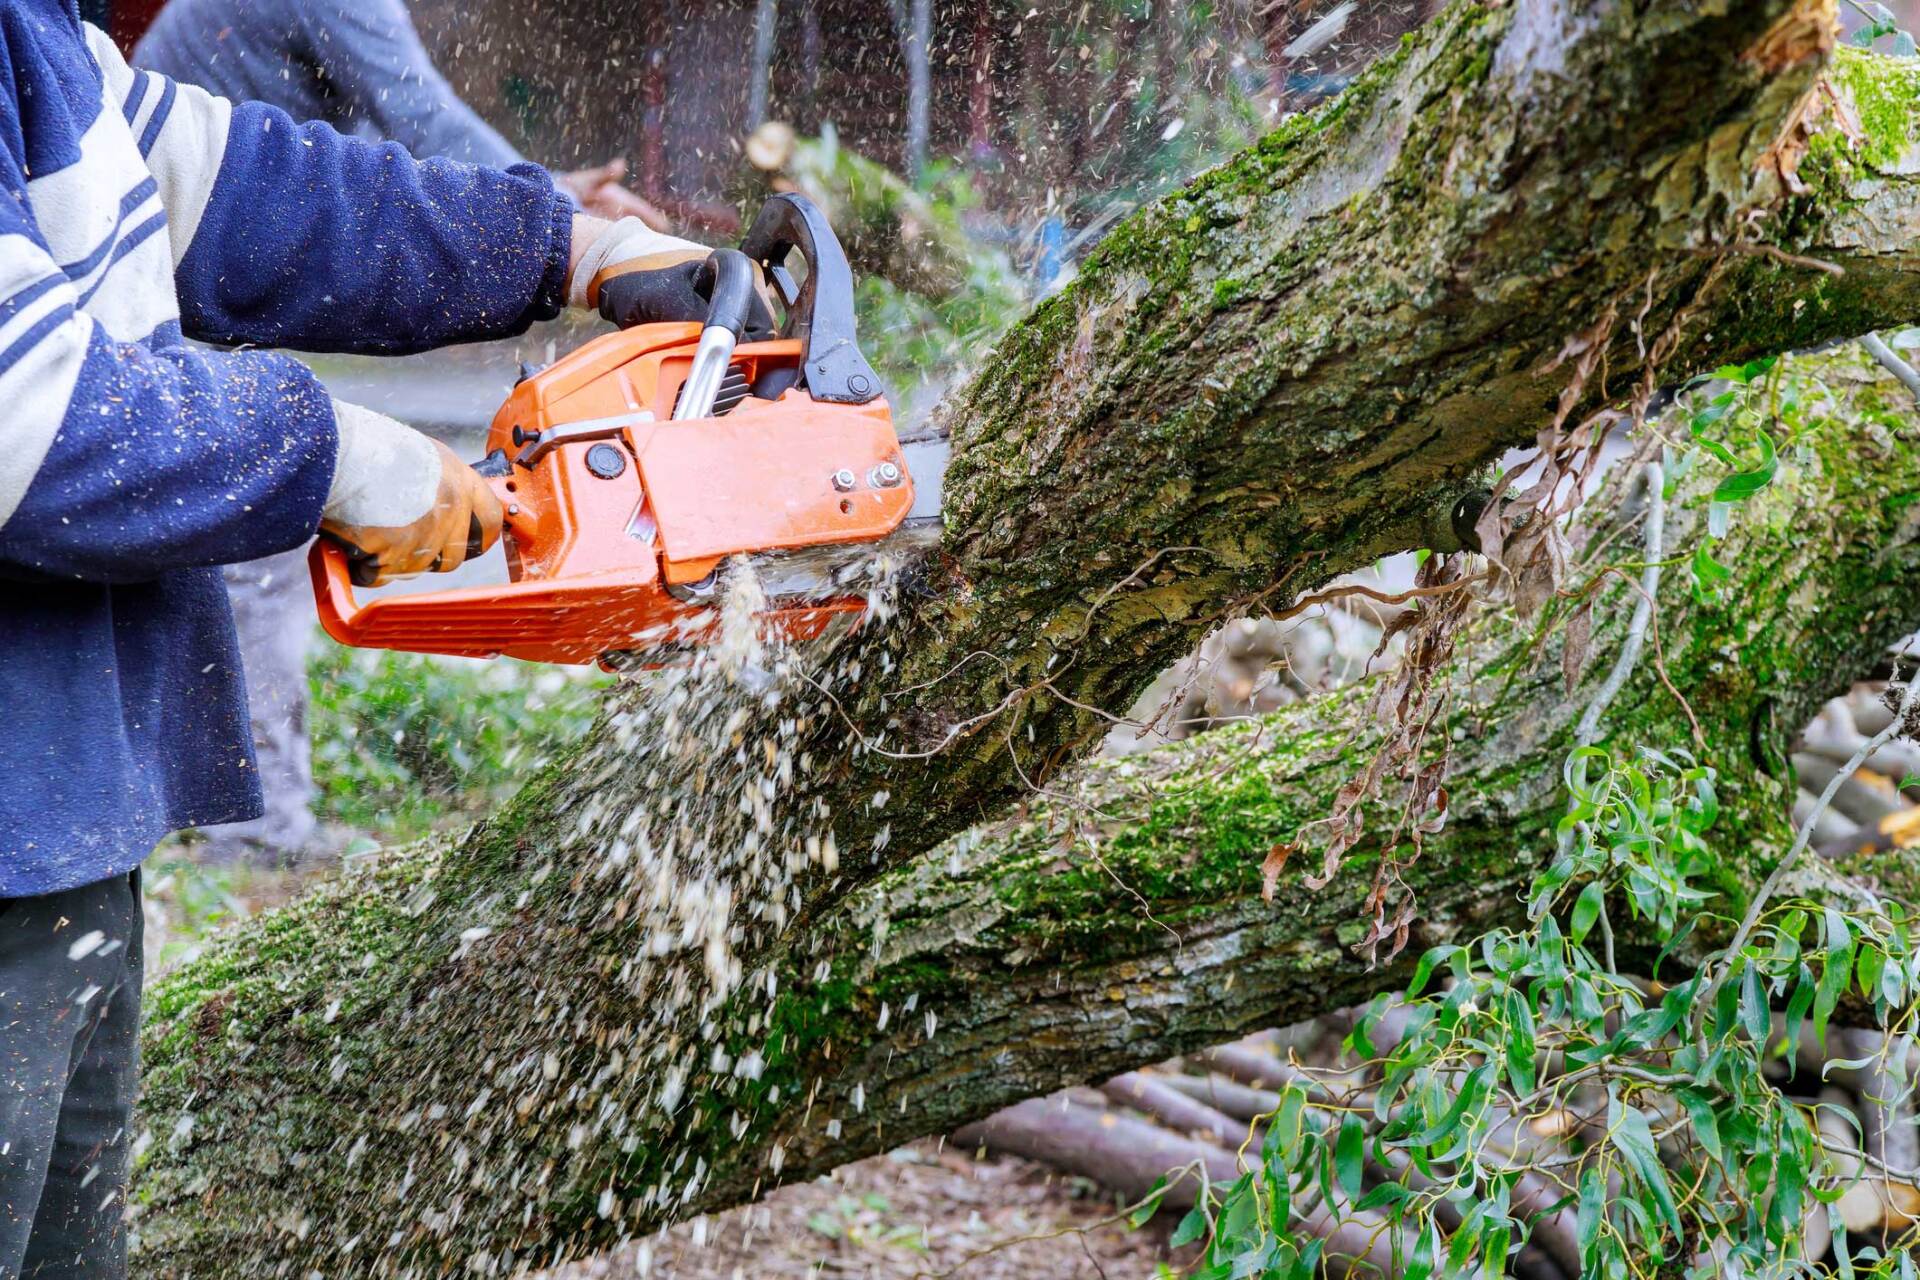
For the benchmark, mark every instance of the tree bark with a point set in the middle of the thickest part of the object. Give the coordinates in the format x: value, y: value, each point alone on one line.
x: 610, y: 1005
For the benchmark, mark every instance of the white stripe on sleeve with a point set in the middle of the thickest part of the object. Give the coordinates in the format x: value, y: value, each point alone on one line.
x: 181, y: 129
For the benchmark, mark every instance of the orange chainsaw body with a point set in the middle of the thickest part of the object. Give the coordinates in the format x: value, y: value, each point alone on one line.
x: 608, y: 552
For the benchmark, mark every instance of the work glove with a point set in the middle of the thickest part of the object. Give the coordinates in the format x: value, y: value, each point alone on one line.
x: 635, y: 275
x: 402, y: 503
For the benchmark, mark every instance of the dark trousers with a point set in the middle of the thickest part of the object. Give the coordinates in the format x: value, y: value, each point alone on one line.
x: 69, y: 1017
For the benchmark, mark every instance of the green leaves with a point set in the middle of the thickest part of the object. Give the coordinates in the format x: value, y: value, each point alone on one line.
x: 1592, y: 1212
x: 1742, y: 485
x: 1471, y: 1093
x: 1633, y: 1137
x: 1751, y: 418
x: 1149, y: 1203
x: 1708, y: 572
x: 1880, y: 23
x: 1586, y: 910
x: 1349, y: 1156
x: 1191, y: 1227
x: 402, y: 740
x: 1637, y: 821
x: 1521, y: 1043
x: 1700, y: 1150
x: 1836, y: 967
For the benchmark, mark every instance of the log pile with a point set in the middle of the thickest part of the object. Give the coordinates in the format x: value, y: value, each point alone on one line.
x: 1203, y: 1115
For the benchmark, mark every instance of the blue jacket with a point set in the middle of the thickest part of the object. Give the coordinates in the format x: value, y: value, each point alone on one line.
x: 136, y: 211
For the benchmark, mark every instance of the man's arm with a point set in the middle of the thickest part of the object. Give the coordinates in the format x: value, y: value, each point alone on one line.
x: 122, y: 463
x: 295, y: 236
x: 372, y: 57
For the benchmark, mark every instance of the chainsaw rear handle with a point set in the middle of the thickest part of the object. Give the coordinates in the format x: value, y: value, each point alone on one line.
x: 820, y: 311
x: 360, y: 571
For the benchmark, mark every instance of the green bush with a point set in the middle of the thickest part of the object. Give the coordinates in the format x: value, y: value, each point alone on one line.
x: 405, y: 742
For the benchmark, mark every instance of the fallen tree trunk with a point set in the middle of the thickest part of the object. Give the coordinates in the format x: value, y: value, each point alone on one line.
x: 514, y: 1049
x: 1117, y: 1151
x: 1118, y: 922
x: 1132, y: 1156
x: 1294, y: 364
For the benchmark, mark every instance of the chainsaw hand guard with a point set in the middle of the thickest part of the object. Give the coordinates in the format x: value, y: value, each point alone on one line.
x: 819, y: 312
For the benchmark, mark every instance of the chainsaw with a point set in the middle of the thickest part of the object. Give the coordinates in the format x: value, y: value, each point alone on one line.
x: 634, y: 468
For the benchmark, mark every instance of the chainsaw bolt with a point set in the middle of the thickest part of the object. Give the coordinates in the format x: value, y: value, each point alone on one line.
x: 885, y: 476
x: 844, y: 480
x: 858, y: 384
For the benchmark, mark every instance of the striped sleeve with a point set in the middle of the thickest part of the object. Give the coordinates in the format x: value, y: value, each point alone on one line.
x: 122, y: 462
x: 181, y: 130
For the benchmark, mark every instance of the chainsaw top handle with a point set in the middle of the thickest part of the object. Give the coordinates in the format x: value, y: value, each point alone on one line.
x: 726, y: 278
x: 819, y: 311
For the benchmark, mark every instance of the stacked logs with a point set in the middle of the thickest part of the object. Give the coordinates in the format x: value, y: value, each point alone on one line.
x: 1201, y: 1118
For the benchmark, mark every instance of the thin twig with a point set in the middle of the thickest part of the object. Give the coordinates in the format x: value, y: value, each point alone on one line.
x: 1780, y: 255
x: 1139, y: 569
x: 1629, y: 656
x: 1890, y: 361
x: 1779, y: 873
x: 1328, y: 596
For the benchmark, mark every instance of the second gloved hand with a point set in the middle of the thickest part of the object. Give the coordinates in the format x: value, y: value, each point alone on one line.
x: 402, y: 503
x: 635, y: 275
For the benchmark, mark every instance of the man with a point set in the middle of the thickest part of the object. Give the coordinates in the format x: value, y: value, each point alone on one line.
x: 360, y: 66
x: 138, y: 212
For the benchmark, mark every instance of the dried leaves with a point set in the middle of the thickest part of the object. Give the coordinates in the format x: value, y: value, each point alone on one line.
x: 1525, y: 535
x: 1804, y: 33
x: 1782, y: 157
x: 1412, y: 702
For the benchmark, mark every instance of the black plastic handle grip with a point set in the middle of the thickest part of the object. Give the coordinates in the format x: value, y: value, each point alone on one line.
x: 726, y: 277
x: 493, y: 467
x: 820, y: 312
x: 362, y: 568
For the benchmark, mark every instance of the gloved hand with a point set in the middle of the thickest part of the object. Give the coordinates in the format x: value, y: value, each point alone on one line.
x: 636, y: 275
x: 402, y: 503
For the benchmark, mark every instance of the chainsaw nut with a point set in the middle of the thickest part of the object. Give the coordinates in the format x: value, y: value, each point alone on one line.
x: 606, y: 461
x: 884, y: 476
x: 844, y: 480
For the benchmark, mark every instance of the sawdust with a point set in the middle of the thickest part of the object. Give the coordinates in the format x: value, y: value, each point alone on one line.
x: 700, y: 802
